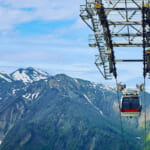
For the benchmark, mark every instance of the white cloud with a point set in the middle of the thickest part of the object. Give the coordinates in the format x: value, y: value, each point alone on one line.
x: 78, y: 24
x: 10, y: 17
x: 21, y: 11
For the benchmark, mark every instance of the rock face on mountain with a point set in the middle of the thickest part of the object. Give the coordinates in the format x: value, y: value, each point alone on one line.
x: 38, y: 111
x: 13, y: 91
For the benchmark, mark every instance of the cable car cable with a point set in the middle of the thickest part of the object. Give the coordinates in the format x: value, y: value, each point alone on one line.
x: 144, y: 66
x: 122, y: 131
x: 145, y: 116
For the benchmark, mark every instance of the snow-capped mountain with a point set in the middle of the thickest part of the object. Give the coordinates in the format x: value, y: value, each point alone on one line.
x: 33, y: 98
x: 26, y: 86
x: 29, y: 75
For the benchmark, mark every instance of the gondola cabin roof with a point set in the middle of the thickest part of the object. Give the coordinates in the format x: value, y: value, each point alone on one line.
x: 131, y: 92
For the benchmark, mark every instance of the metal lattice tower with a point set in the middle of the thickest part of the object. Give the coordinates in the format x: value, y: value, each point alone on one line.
x: 117, y: 23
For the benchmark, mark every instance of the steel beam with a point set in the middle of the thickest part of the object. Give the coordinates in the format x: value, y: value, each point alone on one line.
x: 122, y: 9
x: 127, y: 45
x: 122, y: 35
x: 120, y: 22
x: 129, y: 60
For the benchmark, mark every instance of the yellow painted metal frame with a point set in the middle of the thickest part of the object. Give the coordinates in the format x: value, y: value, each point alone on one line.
x: 97, y: 5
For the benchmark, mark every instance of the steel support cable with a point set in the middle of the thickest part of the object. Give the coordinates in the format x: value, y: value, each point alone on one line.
x: 144, y: 69
x: 122, y: 131
x: 145, y: 126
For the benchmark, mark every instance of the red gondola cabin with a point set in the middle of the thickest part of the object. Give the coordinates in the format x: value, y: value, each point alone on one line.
x: 130, y: 105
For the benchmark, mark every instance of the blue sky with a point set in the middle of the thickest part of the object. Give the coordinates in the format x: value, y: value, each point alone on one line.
x: 50, y: 35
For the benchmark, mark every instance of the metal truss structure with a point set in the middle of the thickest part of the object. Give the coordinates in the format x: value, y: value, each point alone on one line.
x: 117, y: 23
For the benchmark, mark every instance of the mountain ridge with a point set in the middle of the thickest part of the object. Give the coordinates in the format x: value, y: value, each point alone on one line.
x: 27, y: 75
x: 56, y: 107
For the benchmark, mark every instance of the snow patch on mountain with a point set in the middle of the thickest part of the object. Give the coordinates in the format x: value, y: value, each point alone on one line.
x: 41, y: 72
x: 5, y: 77
x: 105, y: 87
x: 29, y: 75
x: 138, y: 137
x: 4, y: 73
x: 30, y: 96
x: 27, y: 96
x: 116, y: 106
x: 37, y: 78
x: 14, y: 91
x: 109, y: 88
x: 94, y: 84
x: 21, y: 76
x: 86, y: 97
x: 35, y: 95
x: 76, y: 80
